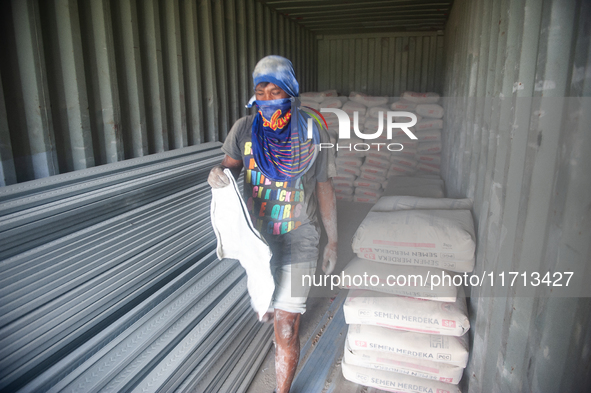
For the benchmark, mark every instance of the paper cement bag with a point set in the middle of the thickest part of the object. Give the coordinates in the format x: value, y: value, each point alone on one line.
x: 394, y: 382
x: 425, y: 191
x: 364, y: 191
x: 437, y: 238
x: 343, y: 190
x: 349, y: 161
x: 394, y: 203
x: 403, y: 105
x: 344, y: 197
x: 420, y: 98
x: 391, y: 362
x: 430, y: 110
x: 407, y: 313
x: 437, y: 348
x: 373, y: 185
x: 413, y: 281
x: 365, y: 198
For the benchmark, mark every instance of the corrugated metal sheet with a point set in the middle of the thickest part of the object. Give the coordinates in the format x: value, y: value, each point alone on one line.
x: 91, y: 82
x: 344, y: 16
x: 515, y: 144
x: 383, y: 64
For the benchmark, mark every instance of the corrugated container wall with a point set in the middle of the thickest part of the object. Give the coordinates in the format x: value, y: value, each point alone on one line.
x: 517, y: 141
x: 516, y: 81
x: 91, y: 82
x: 384, y: 64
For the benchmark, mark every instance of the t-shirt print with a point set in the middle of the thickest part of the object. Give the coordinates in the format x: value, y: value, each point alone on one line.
x: 275, y: 207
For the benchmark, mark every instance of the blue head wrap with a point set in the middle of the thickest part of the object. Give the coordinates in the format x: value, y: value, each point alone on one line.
x: 281, y: 148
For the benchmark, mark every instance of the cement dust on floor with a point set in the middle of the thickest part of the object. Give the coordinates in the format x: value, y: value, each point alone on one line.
x: 349, y: 216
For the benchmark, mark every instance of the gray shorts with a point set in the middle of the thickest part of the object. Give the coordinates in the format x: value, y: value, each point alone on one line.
x: 291, y: 292
x: 295, y: 255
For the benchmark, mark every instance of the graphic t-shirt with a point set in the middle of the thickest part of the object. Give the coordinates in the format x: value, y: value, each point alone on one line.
x: 277, y: 208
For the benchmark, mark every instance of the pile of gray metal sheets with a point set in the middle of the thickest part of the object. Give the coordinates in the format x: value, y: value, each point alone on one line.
x: 109, y: 282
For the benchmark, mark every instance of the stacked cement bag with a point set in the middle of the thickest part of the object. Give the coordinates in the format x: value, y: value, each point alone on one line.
x: 410, y: 336
x: 366, y: 175
x: 428, y: 129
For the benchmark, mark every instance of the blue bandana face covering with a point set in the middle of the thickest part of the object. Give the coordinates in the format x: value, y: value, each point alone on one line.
x: 280, y: 146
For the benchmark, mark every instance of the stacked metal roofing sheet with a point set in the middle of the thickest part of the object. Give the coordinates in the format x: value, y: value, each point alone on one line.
x: 110, y: 282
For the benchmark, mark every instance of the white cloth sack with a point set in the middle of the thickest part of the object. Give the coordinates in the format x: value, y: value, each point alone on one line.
x: 366, y: 307
x: 430, y: 110
x: 420, y: 98
x: 445, y: 292
x: 394, y: 382
x: 445, y: 349
x: 233, y: 229
x: 435, y: 238
x: 394, y: 203
x: 386, y: 361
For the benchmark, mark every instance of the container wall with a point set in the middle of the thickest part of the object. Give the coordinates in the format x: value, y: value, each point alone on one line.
x: 90, y: 82
x: 517, y: 141
x: 382, y: 64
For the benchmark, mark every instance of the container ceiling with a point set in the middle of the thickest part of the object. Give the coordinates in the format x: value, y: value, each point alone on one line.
x: 354, y: 16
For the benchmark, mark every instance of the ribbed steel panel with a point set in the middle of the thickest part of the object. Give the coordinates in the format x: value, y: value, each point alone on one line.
x: 93, y: 82
x: 516, y: 139
x: 104, y: 294
x: 384, y: 64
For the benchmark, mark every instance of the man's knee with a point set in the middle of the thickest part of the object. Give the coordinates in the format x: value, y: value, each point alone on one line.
x: 286, y: 326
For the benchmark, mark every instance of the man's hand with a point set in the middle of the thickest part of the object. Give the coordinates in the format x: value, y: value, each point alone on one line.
x: 330, y: 258
x: 217, y: 178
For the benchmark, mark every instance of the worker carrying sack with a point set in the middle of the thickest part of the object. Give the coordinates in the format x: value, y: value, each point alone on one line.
x: 437, y: 238
x: 407, y: 313
x: 434, y: 347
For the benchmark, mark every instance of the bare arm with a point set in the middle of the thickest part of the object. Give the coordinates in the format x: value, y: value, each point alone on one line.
x: 217, y: 178
x: 328, y: 212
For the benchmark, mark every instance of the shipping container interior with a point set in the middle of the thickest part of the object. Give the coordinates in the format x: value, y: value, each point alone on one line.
x: 85, y: 84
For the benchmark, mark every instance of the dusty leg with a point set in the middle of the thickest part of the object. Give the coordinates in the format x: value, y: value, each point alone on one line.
x: 287, y: 348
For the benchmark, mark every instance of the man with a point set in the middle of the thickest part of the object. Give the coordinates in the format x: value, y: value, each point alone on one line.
x: 287, y: 179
